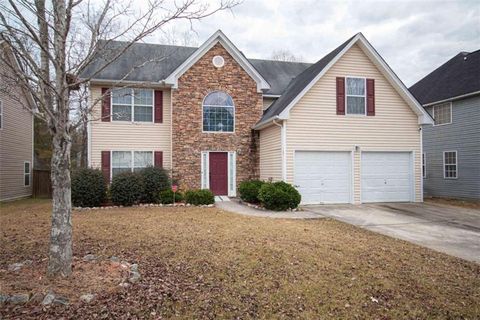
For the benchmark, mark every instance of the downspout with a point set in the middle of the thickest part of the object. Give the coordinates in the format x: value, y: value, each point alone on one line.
x: 283, y: 139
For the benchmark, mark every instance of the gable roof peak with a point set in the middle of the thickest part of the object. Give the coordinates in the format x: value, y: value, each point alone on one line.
x: 219, y: 36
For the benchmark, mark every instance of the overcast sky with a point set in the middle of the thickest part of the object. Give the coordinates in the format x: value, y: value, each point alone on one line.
x: 414, y: 37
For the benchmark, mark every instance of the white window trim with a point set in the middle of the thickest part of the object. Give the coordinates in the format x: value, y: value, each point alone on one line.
x: 424, y: 165
x: 29, y: 173
x: 1, y: 115
x: 132, y: 162
x: 132, y: 107
x: 433, y: 114
x: 456, y: 165
x: 364, y: 96
x: 207, y: 105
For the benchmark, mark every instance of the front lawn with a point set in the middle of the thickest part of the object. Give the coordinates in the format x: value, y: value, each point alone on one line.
x: 204, y: 263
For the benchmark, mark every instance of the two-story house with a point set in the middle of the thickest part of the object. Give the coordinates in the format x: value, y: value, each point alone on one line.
x: 344, y: 129
x: 16, y: 132
x: 451, y: 147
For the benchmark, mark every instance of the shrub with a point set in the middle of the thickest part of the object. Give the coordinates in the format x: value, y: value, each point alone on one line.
x: 126, y: 188
x: 166, y: 196
x: 249, y: 190
x: 88, y: 188
x: 199, y: 197
x: 154, y: 180
x: 279, y: 196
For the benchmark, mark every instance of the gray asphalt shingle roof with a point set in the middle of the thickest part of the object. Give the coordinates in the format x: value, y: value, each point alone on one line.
x: 155, y: 62
x: 458, y: 76
x: 300, y: 82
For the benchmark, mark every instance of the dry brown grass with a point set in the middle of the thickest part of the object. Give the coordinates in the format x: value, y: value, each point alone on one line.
x: 205, y: 263
x: 470, y: 204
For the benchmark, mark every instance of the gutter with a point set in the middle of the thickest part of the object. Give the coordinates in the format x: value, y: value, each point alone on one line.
x: 266, y: 123
x: 159, y: 84
x: 452, y: 98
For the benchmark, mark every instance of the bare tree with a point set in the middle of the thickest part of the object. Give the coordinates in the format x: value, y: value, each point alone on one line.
x: 53, y: 41
x: 285, y: 55
x: 173, y: 36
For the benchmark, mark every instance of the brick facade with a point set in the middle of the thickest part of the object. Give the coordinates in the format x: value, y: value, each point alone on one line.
x: 188, y: 140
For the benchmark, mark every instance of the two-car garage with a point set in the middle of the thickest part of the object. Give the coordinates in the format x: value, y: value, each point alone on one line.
x: 324, y: 177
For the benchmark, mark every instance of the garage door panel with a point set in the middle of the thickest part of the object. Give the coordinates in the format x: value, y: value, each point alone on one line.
x: 386, y: 177
x: 323, y: 177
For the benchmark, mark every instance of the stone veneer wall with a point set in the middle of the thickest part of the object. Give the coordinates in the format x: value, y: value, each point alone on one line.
x: 188, y: 140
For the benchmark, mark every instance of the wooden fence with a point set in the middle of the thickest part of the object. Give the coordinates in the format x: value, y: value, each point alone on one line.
x: 42, y: 186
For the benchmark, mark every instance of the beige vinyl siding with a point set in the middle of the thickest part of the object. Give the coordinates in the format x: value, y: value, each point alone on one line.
x: 267, y: 102
x: 16, y: 146
x: 271, y: 153
x: 314, y: 124
x: 122, y: 136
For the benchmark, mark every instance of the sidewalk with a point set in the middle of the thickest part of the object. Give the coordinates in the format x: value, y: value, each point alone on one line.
x: 236, y: 207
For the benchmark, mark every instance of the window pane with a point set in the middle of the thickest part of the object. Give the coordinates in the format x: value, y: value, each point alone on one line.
x: 218, y: 98
x: 442, y: 114
x: 121, y: 159
x: 143, y: 97
x: 116, y: 171
x: 355, y: 105
x: 27, y: 167
x: 121, y: 113
x: 26, y: 181
x: 355, y: 86
x: 122, y: 96
x: 144, y: 114
x: 142, y: 159
x: 218, y: 119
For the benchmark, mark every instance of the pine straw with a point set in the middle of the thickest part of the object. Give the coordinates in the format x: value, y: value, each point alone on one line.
x: 204, y: 263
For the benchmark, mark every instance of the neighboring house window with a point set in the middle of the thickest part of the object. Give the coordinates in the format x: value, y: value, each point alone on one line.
x: 356, y: 97
x: 1, y: 114
x: 424, y: 166
x: 442, y: 114
x: 128, y: 161
x: 26, y: 173
x: 136, y: 104
x: 450, y: 164
x: 218, y: 112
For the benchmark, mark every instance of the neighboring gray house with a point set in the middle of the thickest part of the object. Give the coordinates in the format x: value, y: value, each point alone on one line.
x: 451, y: 147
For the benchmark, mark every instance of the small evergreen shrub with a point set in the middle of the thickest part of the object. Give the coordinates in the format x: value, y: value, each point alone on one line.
x: 88, y: 188
x: 126, y: 189
x: 279, y: 196
x: 166, y: 196
x: 154, y: 180
x: 199, y: 197
x: 249, y: 189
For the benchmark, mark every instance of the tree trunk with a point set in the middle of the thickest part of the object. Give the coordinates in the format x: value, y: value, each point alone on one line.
x: 60, y: 262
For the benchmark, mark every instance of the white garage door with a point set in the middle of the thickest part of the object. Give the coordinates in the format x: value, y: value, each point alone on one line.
x: 323, y: 177
x: 387, y: 176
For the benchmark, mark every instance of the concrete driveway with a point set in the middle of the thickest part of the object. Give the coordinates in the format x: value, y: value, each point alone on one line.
x: 448, y: 229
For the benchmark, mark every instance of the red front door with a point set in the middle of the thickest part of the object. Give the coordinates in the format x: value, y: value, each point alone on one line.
x: 219, y: 173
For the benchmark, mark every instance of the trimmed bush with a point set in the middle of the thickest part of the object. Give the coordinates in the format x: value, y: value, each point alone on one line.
x: 154, y: 180
x: 249, y: 190
x: 88, y: 188
x: 279, y: 196
x: 166, y: 196
x: 199, y: 197
x: 126, y: 189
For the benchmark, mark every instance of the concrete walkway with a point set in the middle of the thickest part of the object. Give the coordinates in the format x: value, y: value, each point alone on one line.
x: 449, y: 229
x: 236, y: 207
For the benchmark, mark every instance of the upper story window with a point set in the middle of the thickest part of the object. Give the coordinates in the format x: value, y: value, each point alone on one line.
x: 218, y: 112
x: 356, y: 95
x: 442, y: 113
x: 132, y: 105
x: 450, y: 164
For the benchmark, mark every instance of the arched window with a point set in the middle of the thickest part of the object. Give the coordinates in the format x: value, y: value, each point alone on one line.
x: 218, y: 112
